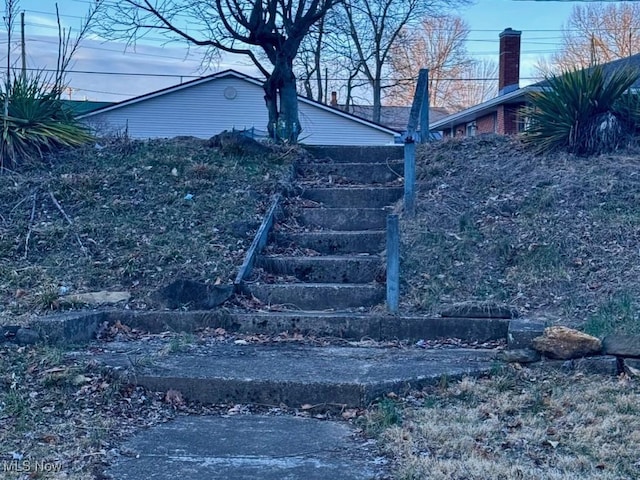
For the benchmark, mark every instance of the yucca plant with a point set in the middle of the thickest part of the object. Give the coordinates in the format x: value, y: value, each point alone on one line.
x: 583, y: 111
x: 34, y: 121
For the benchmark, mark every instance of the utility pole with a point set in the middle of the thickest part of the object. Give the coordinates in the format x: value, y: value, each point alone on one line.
x: 24, y: 47
x: 326, y: 84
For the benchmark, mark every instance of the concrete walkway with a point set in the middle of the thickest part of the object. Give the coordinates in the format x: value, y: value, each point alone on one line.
x: 265, y: 447
x: 251, y: 447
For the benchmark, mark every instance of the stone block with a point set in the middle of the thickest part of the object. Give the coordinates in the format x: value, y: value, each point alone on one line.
x: 600, y: 365
x: 522, y: 332
x: 524, y: 355
x: 622, y: 345
x: 632, y: 366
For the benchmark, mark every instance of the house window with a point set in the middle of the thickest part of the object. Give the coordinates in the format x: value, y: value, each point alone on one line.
x: 472, y: 128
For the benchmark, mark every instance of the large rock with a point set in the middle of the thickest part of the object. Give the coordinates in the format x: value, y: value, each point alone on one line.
x: 566, y: 343
x: 622, y: 345
x: 237, y: 143
x: 97, y: 298
x: 194, y: 295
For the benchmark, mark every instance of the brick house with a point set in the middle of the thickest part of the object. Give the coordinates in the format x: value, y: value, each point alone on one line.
x: 502, y: 114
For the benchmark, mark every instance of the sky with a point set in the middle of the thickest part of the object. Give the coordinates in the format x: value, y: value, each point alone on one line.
x: 151, y: 67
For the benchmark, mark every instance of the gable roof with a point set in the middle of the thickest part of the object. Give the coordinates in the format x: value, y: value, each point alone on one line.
x: 393, y: 116
x: 80, y: 107
x: 472, y: 113
x: 609, y: 68
x: 241, y: 76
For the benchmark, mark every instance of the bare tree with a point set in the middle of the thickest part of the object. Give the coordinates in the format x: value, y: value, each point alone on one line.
x: 476, y: 84
x: 274, y: 28
x: 375, y: 26
x: 309, y: 63
x: 327, y: 61
x: 596, y: 33
x: 438, y: 44
x: 456, y: 81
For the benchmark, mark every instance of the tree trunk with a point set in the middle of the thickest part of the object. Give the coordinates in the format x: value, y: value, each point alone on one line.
x: 281, y: 98
x: 271, y: 99
x: 377, y: 102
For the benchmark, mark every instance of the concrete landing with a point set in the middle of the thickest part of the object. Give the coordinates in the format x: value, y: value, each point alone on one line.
x: 291, y: 374
x: 247, y: 448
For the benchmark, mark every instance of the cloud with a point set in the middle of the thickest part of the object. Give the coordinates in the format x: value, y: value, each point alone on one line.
x: 99, y: 69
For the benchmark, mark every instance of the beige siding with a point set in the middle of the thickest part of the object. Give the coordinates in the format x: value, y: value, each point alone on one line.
x: 203, y: 110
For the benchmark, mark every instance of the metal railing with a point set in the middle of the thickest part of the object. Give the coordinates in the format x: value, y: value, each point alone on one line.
x: 419, y: 116
x: 419, y: 113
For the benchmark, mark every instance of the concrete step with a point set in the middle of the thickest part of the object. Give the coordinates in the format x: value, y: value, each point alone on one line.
x: 356, y: 154
x: 290, y: 374
x: 334, y: 242
x: 364, y: 173
x: 326, y: 269
x: 354, y: 197
x: 319, y: 296
x: 379, y: 327
x: 344, y: 218
x: 80, y: 327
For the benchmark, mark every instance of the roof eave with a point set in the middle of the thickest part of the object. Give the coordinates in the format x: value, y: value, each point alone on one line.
x: 482, y: 108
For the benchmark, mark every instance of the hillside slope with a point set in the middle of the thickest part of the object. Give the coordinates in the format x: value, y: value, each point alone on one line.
x: 555, y: 236
x: 130, y: 216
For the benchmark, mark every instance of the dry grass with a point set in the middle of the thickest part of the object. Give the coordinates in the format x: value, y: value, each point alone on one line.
x: 522, y: 424
x: 554, y: 236
x: 66, y: 414
x: 129, y: 216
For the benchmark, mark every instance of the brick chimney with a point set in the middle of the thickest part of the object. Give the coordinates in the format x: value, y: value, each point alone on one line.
x: 334, y: 99
x: 509, y: 66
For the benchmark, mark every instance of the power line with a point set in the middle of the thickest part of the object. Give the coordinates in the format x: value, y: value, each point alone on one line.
x: 125, y: 52
x: 132, y: 74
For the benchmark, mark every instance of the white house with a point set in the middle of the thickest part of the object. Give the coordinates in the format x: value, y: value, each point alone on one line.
x: 225, y: 101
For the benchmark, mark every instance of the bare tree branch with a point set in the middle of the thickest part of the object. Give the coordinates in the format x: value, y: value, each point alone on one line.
x: 596, y: 33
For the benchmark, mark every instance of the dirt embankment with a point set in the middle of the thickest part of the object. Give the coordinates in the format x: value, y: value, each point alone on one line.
x: 555, y: 236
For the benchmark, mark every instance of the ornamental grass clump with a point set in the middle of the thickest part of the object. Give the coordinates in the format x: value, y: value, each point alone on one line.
x: 34, y: 121
x: 583, y: 112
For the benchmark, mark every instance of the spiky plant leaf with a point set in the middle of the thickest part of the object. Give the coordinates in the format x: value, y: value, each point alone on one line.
x: 35, y: 121
x: 583, y: 111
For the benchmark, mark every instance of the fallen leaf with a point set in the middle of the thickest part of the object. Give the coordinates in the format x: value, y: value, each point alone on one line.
x: 174, y: 398
x: 350, y: 413
x: 235, y: 410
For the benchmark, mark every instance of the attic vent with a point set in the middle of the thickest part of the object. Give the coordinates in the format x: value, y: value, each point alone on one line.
x: 230, y: 93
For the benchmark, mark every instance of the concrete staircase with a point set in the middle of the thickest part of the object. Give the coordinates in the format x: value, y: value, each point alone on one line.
x: 336, y: 229
x: 323, y: 274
